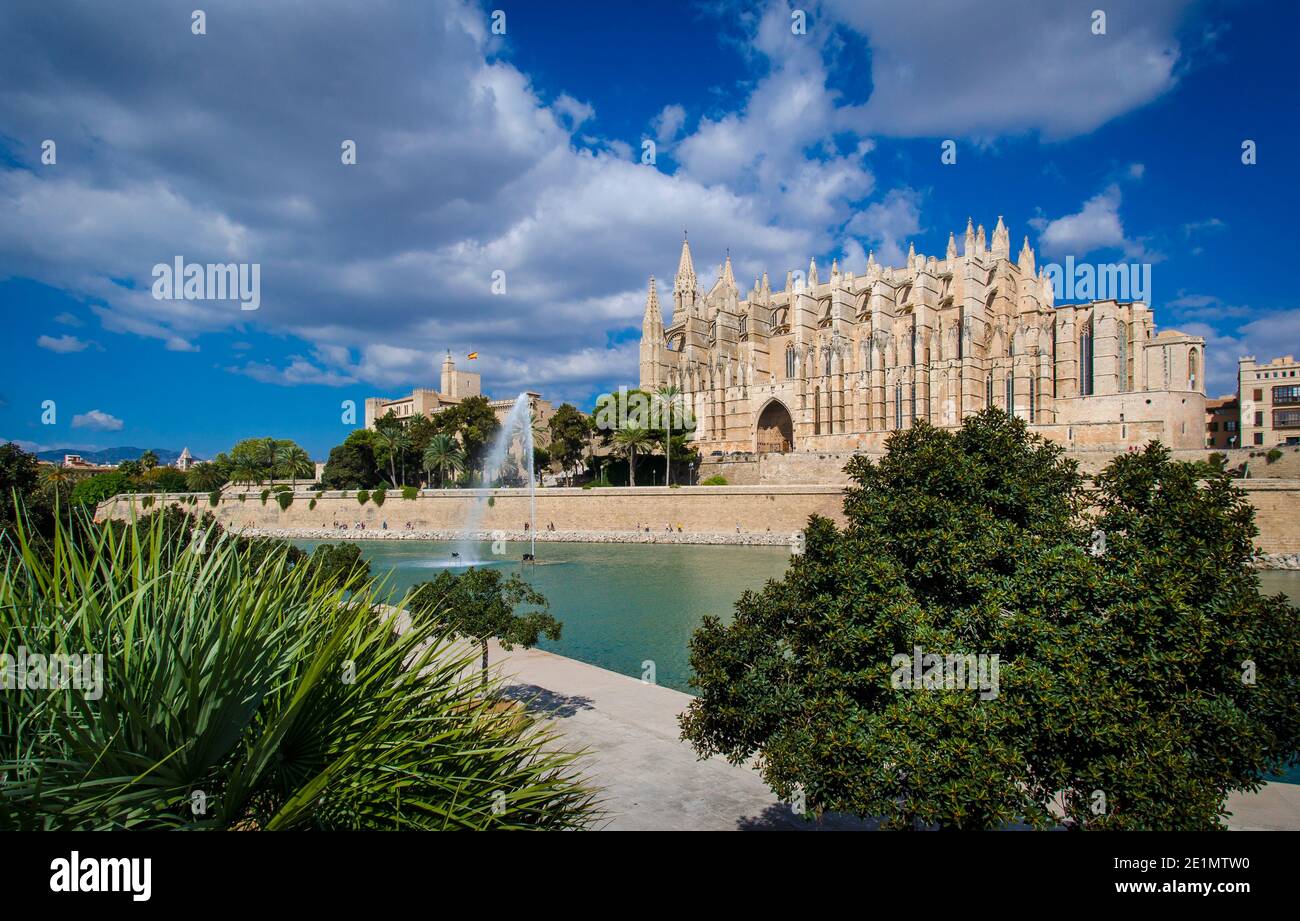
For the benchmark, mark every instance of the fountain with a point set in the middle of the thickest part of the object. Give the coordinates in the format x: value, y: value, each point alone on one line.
x: 518, y: 424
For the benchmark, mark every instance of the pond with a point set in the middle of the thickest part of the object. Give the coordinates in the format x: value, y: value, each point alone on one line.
x: 621, y: 604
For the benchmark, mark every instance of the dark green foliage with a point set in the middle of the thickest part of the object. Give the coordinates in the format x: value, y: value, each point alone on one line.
x: 410, y: 492
x: 363, y: 496
x: 214, y: 498
x: 716, y: 480
x: 378, y: 496
x: 480, y: 605
x: 1121, y: 642
x: 351, y: 465
x: 102, y: 486
x: 311, y: 506
x: 284, y: 500
x: 340, y: 565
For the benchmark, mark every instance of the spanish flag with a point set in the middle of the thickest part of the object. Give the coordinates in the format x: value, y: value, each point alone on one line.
x: 472, y: 355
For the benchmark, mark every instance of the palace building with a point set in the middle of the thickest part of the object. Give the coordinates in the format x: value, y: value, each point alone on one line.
x: 836, y: 364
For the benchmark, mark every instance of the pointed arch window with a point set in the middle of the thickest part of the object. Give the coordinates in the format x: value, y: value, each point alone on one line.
x: 1011, y: 392
x: 988, y: 390
x: 1193, y: 369
x: 817, y: 410
x: 1033, y: 399
x: 789, y: 362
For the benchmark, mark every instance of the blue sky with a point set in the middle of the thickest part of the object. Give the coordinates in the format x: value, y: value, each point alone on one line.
x: 521, y: 153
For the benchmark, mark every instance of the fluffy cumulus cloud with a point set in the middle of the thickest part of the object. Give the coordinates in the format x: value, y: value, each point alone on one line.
x: 1266, y: 336
x: 1095, y: 226
x: 226, y: 148
x: 968, y: 68
x: 97, y: 420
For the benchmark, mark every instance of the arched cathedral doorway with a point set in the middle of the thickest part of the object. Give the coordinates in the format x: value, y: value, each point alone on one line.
x: 775, y: 428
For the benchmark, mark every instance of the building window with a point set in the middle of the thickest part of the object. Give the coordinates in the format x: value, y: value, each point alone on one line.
x: 913, y: 404
x: 1230, y: 425
x: 1259, y: 418
x: 898, y: 405
x: 1286, y: 418
x: 817, y: 411
x: 1085, y: 360
x: 1259, y: 395
x: 1011, y: 392
x: 988, y: 389
x: 1284, y: 396
x: 1033, y: 400
x: 913, y: 340
x: 1193, y: 369
x: 1259, y: 438
x: 789, y: 362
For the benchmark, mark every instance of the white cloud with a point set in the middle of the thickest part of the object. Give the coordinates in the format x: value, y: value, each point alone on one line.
x: 1097, y: 225
x: 67, y: 319
x: 886, y: 225
x: 669, y: 123
x: 63, y: 345
x: 964, y: 68
x: 95, y: 419
x: 1269, y: 336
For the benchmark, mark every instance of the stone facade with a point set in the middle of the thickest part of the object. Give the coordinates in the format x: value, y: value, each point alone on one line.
x: 836, y: 364
x: 1222, y: 423
x: 1270, y: 401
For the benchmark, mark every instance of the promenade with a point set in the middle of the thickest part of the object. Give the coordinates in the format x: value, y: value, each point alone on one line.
x: 650, y: 779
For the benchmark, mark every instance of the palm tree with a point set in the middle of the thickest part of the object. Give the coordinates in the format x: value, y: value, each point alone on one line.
x: 628, y: 441
x: 148, y: 460
x: 245, y: 471
x: 274, y: 457
x: 668, y: 397
x: 393, y: 434
x: 56, y: 473
x: 298, y: 462
x: 444, y: 457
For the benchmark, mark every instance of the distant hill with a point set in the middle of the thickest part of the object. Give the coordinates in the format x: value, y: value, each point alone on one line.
x: 109, y: 455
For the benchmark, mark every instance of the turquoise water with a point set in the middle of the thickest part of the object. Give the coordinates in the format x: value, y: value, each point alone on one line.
x: 621, y: 604
x: 625, y: 604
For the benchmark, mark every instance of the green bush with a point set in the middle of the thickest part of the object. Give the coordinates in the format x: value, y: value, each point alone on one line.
x: 311, y: 506
x: 410, y: 492
x: 214, y: 498
x: 284, y: 499
x: 266, y: 494
x: 99, y: 488
x: 259, y: 682
x: 716, y: 480
x: 1121, y: 618
x: 146, y: 502
x: 363, y: 496
x: 1273, y: 455
x: 379, y: 495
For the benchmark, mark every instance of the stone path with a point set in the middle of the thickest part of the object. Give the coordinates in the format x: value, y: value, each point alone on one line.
x: 651, y: 780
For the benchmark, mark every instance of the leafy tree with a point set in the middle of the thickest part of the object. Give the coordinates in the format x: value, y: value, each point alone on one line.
x: 474, y: 424
x: 148, y: 460
x: 130, y: 468
x: 95, y: 489
x: 444, y: 458
x: 481, y: 606
x: 1139, y: 667
x: 20, y: 473
x: 571, y: 432
x: 340, y: 565
x: 351, y: 465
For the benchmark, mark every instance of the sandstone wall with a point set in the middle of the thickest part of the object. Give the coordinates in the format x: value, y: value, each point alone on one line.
x: 697, y: 509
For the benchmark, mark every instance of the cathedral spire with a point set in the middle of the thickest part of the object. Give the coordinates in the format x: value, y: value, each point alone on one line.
x: 980, y: 245
x: 952, y: 246
x: 728, y: 277
x: 1001, y: 240
x: 1026, y: 260
x: 911, y: 255
x: 653, y: 315
x: 684, y: 293
x: 969, y: 249
x: 812, y: 272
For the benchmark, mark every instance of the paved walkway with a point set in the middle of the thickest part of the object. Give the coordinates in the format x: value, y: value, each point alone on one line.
x: 651, y: 780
